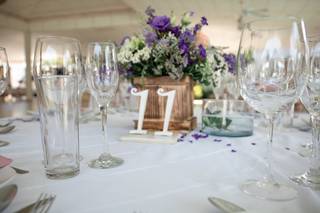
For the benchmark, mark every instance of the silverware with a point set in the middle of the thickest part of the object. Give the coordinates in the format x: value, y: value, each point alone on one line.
x: 7, y: 194
x: 4, y: 143
x: 43, y: 203
x: 19, y: 171
x: 28, y: 208
x: 5, y: 124
x: 25, y: 119
x: 225, y: 206
x: 6, y: 129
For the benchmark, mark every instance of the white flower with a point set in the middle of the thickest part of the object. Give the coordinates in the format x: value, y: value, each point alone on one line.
x: 130, y: 52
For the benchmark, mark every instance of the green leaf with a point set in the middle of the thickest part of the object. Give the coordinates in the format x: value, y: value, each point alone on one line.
x: 216, y: 122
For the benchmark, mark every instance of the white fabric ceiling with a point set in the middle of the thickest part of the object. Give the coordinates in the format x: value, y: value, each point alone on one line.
x: 90, y: 20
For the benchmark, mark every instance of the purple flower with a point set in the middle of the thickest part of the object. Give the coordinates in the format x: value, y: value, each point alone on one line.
x: 184, y: 48
x: 176, y: 31
x: 202, y: 52
x: 196, y: 28
x: 231, y: 61
x: 187, y: 37
x: 161, y: 23
x: 190, y: 61
x: 150, y: 11
x: 204, y: 20
x: 150, y: 37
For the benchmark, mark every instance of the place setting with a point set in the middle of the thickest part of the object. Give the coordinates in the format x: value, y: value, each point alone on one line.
x: 180, y: 111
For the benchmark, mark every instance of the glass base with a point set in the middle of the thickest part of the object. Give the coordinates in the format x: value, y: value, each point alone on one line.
x: 105, y: 161
x: 311, y: 179
x: 268, y: 190
x: 62, y: 173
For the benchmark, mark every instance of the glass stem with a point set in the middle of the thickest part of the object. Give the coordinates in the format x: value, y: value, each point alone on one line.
x: 315, y: 157
x: 103, y: 110
x: 269, y: 159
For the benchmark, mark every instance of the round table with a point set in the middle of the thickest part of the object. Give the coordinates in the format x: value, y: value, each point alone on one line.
x: 159, y: 178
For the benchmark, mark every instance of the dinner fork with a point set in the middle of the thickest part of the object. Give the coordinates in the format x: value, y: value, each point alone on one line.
x: 22, y: 119
x: 43, y: 204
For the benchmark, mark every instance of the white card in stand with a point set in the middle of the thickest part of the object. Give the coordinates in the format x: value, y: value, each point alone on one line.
x: 171, y: 95
x: 161, y: 137
x: 142, y: 108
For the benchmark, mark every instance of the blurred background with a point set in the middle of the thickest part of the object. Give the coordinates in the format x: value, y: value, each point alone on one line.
x: 22, y: 21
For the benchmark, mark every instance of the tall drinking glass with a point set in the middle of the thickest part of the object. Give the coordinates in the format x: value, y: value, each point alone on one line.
x: 271, y: 72
x: 4, y: 70
x: 103, y: 78
x: 311, y: 100
x: 56, y: 70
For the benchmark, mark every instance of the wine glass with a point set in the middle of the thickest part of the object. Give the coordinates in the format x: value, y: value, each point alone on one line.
x: 103, y: 78
x: 4, y: 70
x: 313, y: 40
x: 311, y: 100
x: 271, y: 73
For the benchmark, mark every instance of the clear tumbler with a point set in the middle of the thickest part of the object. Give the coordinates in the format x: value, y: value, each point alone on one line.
x: 57, y: 69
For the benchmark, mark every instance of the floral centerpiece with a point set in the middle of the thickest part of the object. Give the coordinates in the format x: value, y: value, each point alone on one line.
x: 168, y: 54
x: 168, y: 48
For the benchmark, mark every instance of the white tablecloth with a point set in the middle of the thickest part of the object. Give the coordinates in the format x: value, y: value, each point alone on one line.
x: 159, y: 178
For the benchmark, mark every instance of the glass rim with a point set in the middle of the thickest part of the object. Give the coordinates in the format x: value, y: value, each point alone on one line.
x: 44, y: 38
x: 271, y: 18
x: 91, y: 43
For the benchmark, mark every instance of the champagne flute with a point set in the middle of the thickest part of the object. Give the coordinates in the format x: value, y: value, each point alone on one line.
x: 103, y: 78
x: 271, y: 73
x: 4, y: 70
x: 311, y: 100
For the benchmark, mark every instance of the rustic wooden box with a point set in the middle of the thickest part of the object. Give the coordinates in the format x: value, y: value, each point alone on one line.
x: 182, y: 113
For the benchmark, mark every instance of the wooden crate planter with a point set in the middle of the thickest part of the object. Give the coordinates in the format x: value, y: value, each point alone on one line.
x: 182, y: 113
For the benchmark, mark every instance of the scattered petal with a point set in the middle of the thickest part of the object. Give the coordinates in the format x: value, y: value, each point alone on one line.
x: 233, y: 150
x: 199, y: 135
x: 253, y: 144
x: 287, y: 148
x: 229, y: 144
x: 217, y: 140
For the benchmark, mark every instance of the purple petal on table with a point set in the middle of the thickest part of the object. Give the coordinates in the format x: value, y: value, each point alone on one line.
x: 179, y: 140
x: 199, y: 135
x: 253, y: 144
x: 190, y: 141
x: 217, y: 140
x: 183, y: 135
x: 229, y: 144
x: 287, y: 148
x: 233, y: 150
